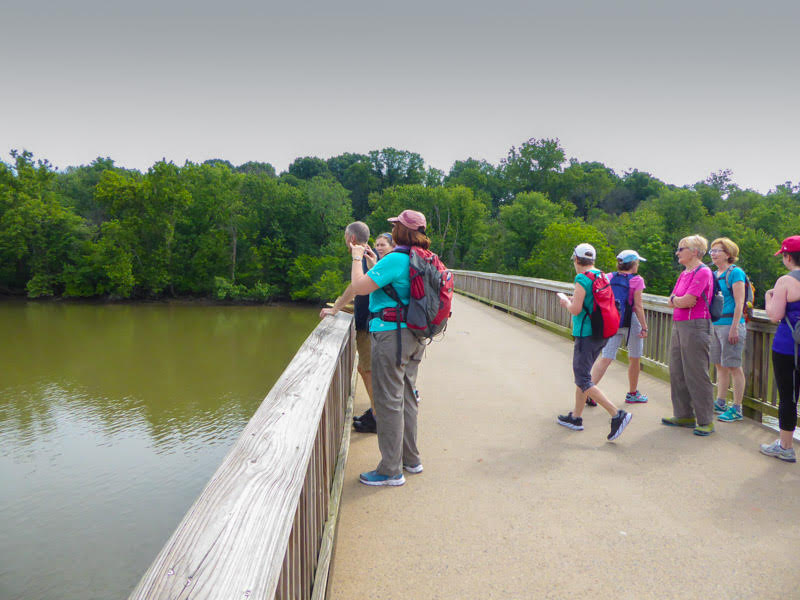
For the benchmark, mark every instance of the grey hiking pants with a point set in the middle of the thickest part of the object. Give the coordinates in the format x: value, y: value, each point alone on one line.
x: 689, y: 361
x: 395, y: 402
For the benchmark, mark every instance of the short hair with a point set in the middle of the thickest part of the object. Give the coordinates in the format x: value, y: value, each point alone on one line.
x: 730, y: 247
x: 584, y: 262
x: 697, y: 243
x: 358, y: 229
x: 404, y: 236
x: 795, y: 257
x: 626, y: 266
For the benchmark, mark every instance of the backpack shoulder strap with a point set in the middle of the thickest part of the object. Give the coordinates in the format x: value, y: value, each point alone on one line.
x: 794, y: 275
x: 388, y: 289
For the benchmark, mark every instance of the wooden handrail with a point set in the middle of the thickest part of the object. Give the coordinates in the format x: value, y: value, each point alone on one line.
x: 535, y: 300
x: 255, y: 530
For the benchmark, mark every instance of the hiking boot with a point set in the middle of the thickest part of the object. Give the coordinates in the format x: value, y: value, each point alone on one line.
x: 720, y: 406
x: 570, y: 422
x: 635, y: 398
x: 731, y: 415
x: 775, y: 449
x: 618, y: 424
x: 704, y: 429
x: 365, y: 426
x: 413, y: 469
x: 678, y: 422
x: 375, y: 478
x: 366, y: 415
x: 590, y: 402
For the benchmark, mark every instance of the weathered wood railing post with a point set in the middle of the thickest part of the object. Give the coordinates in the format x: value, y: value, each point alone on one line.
x: 257, y: 528
x: 760, y: 395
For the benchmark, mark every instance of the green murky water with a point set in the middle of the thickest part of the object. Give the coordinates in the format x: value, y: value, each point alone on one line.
x: 112, y: 420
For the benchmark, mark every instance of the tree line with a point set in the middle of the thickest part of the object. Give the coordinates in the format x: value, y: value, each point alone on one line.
x: 248, y: 233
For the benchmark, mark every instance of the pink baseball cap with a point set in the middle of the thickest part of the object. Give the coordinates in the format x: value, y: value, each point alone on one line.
x: 790, y: 244
x: 411, y: 219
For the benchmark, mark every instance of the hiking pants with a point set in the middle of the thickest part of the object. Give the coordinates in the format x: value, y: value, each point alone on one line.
x: 395, y: 402
x: 692, y: 391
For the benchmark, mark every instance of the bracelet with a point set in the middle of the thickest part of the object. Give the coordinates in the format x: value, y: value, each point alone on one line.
x: 358, y: 259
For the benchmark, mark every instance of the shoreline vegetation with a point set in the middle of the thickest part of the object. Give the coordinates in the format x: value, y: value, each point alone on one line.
x: 243, y: 234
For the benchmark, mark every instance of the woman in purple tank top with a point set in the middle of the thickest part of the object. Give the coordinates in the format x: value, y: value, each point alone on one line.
x: 783, y: 304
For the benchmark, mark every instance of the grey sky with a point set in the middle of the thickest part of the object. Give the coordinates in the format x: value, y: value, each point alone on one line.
x: 679, y: 89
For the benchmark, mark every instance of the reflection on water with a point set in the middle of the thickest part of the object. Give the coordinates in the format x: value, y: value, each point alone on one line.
x: 112, y: 419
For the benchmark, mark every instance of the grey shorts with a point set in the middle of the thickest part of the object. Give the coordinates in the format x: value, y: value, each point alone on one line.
x: 584, y: 353
x: 634, y: 343
x: 722, y: 351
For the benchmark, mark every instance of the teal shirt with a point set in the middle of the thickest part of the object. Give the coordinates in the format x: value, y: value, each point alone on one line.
x: 391, y: 269
x: 581, y: 323
x: 729, y: 304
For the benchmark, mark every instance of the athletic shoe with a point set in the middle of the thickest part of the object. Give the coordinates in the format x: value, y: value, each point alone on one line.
x: 415, y: 469
x: 635, y: 398
x: 365, y: 427
x: 366, y: 415
x: 590, y: 402
x: 618, y: 424
x: 570, y: 422
x: 775, y: 449
x: 704, y: 429
x: 720, y: 406
x: 731, y: 415
x: 375, y: 478
x: 678, y: 422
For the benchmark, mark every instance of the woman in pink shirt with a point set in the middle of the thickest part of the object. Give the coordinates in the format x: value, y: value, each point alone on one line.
x: 691, y: 388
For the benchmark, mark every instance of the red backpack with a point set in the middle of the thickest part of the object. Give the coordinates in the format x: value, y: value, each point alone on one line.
x: 431, y: 296
x: 605, y: 314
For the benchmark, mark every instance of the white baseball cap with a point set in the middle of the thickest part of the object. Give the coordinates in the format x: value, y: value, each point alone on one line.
x: 627, y: 256
x: 584, y: 251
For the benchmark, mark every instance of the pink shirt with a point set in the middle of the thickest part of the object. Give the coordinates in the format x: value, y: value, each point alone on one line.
x: 694, y: 282
x: 636, y: 283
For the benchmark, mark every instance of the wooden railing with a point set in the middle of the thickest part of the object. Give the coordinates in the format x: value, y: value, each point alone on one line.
x: 263, y: 526
x: 535, y: 300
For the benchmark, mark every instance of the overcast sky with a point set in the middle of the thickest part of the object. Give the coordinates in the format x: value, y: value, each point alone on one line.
x: 679, y: 88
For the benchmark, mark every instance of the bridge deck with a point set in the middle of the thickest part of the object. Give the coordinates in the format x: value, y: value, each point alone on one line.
x: 513, y: 506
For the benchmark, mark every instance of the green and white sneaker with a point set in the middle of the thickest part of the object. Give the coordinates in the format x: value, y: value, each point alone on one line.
x: 731, y: 415
x: 775, y: 449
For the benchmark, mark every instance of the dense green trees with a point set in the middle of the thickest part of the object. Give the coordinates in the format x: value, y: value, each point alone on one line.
x: 242, y: 232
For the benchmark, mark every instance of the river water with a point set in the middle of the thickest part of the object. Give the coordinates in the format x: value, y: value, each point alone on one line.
x: 112, y: 420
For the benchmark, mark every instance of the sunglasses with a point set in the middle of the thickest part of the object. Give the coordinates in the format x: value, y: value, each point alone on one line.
x: 682, y: 248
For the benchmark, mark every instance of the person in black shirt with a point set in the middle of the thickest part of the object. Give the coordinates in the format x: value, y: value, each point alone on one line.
x: 358, y: 233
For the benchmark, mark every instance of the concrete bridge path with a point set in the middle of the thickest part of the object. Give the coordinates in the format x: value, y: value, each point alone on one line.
x: 513, y: 506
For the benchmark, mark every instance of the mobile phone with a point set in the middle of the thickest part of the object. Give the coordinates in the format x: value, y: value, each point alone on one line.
x: 562, y: 296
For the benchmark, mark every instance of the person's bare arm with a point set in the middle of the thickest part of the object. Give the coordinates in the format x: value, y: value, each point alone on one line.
x: 638, y: 309
x: 346, y: 298
x: 775, y: 300
x: 575, y: 304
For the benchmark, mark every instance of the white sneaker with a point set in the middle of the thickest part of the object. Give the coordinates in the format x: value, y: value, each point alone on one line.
x: 775, y: 449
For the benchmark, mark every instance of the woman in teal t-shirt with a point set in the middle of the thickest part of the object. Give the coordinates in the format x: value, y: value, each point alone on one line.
x: 729, y: 332
x: 394, y: 374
